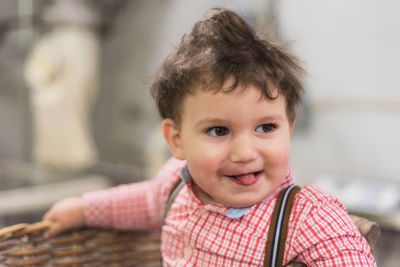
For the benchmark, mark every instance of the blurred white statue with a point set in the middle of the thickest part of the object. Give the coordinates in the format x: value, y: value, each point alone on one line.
x: 62, y: 73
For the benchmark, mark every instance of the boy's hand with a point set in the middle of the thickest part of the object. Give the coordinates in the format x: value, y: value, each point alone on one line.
x: 64, y: 215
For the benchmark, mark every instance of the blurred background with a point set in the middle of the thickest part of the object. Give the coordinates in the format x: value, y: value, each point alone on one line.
x: 76, y: 113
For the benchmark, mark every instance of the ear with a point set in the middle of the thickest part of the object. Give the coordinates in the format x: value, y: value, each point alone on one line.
x: 172, y: 135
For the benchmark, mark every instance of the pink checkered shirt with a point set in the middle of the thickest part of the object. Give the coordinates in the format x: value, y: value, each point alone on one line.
x: 320, y: 232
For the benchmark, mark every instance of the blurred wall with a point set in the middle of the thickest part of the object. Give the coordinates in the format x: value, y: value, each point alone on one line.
x: 124, y: 113
x: 349, y: 49
x: 143, y: 35
x: 351, y: 52
x: 15, y: 120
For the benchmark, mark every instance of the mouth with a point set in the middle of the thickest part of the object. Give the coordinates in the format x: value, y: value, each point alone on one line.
x: 246, y: 179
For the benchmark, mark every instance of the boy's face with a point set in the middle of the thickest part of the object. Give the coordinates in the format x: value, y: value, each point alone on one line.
x: 236, y: 145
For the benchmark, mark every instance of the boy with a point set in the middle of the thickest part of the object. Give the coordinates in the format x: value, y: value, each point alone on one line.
x: 227, y: 99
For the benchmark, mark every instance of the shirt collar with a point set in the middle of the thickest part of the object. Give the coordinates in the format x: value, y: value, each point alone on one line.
x: 235, y: 213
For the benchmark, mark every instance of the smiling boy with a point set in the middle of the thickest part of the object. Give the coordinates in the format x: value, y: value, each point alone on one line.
x: 236, y: 144
x: 228, y: 101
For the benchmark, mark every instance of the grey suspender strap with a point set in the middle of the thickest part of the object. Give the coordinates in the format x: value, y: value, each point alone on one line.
x: 275, y: 247
x: 175, y: 189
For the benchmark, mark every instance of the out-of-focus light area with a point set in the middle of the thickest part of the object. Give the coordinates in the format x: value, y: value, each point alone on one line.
x: 76, y: 112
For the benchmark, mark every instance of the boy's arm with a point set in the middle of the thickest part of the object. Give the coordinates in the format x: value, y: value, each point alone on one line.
x: 134, y: 206
x: 326, y: 235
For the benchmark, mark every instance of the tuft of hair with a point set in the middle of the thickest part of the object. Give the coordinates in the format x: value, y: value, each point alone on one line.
x: 220, y: 47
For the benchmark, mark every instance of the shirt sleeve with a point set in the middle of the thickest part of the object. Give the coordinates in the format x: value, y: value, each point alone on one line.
x: 326, y: 235
x: 137, y: 206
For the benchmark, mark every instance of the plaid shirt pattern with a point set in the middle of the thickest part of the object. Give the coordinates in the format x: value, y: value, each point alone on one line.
x: 320, y: 232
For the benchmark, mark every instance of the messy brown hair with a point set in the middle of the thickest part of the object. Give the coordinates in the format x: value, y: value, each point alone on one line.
x: 222, y: 46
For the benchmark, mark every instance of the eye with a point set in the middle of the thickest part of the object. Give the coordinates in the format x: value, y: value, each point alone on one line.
x: 266, y: 128
x: 217, y: 131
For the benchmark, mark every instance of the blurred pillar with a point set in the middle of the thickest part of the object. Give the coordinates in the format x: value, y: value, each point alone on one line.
x: 62, y: 73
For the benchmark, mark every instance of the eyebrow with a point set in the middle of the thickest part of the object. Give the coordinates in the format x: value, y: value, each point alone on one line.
x: 211, y: 121
x: 217, y: 121
x: 275, y: 117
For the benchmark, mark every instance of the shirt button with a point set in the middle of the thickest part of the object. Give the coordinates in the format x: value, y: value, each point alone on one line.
x: 203, y: 211
x: 187, y: 252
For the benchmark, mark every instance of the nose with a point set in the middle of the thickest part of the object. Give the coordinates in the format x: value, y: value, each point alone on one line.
x: 243, y: 150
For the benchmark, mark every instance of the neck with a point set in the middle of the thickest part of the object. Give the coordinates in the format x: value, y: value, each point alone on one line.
x: 203, y: 196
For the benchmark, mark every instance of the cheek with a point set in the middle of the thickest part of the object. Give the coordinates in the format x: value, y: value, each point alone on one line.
x: 204, y: 163
x: 205, y: 160
x: 279, y: 155
x: 202, y: 157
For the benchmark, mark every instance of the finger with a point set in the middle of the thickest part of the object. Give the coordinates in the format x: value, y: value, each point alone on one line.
x: 50, y: 215
x: 47, y: 216
x: 53, y: 231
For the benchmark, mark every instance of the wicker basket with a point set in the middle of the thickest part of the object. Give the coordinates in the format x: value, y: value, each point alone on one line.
x: 24, y: 245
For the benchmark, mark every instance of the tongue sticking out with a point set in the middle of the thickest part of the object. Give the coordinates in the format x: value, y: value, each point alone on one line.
x: 246, y: 179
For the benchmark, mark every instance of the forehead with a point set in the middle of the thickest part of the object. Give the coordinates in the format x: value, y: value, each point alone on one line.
x: 240, y: 104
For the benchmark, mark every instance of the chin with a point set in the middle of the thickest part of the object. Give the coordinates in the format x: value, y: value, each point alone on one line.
x: 243, y: 203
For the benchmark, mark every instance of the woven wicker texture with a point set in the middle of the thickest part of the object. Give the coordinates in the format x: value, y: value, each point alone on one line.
x: 24, y: 245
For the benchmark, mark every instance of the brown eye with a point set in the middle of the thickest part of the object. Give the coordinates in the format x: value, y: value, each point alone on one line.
x: 217, y: 131
x: 266, y: 128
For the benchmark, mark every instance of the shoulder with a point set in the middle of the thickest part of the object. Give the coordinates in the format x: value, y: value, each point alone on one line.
x: 321, y: 213
x: 312, y: 194
x: 168, y: 175
x: 170, y: 170
x: 311, y: 197
x: 314, y: 203
x: 320, y: 229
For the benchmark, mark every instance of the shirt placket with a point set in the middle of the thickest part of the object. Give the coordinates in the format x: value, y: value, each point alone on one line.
x: 195, y: 228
